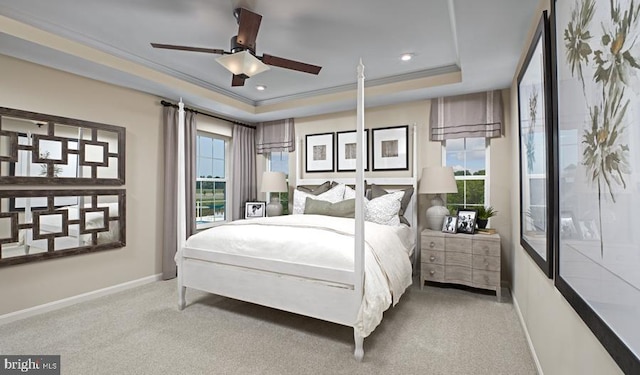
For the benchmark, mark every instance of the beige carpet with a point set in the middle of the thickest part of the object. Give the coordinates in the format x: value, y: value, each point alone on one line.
x: 140, y: 331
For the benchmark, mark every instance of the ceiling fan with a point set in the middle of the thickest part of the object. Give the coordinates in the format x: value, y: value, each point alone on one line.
x: 242, y: 60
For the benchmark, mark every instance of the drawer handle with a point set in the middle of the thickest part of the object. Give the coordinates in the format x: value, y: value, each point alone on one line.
x: 432, y: 258
x: 432, y: 244
x: 432, y: 272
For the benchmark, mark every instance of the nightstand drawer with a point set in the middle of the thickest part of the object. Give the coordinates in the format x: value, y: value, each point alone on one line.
x: 462, y: 245
x: 431, y: 243
x: 432, y: 256
x: 486, y: 263
x: 457, y: 259
x: 488, y: 278
x: 432, y: 272
x: 457, y: 273
x: 491, y: 248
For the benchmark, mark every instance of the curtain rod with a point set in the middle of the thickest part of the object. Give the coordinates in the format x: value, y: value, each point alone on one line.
x: 168, y: 104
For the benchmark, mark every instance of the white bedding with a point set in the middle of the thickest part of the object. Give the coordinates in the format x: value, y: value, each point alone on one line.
x: 327, y: 242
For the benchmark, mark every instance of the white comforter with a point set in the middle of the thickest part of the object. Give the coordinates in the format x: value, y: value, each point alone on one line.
x: 323, y: 241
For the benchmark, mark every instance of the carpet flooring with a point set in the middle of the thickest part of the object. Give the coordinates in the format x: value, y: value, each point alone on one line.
x: 140, y: 331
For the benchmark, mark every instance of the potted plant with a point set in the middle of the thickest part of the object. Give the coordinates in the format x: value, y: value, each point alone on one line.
x: 484, y: 213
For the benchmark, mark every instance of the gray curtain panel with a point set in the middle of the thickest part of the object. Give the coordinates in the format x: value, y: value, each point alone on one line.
x: 170, y: 235
x: 467, y: 116
x: 276, y: 136
x: 244, y: 169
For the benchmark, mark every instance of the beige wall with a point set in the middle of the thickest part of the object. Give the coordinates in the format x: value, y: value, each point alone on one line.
x: 562, y: 342
x: 35, y: 88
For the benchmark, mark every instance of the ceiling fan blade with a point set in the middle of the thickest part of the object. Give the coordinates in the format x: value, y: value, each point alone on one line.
x: 186, y: 48
x: 248, y: 25
x: 237, y: 80
x: 290, y: 64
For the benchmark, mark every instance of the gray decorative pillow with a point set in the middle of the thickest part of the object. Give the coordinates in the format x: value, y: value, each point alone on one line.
x: 377, y: 191
x: 346, y: 208
x: 335, y: 194
x: 384, y: 210
x: 317, y: 190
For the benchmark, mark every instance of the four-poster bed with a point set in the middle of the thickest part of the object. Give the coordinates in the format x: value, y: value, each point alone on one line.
x: 331, y: 287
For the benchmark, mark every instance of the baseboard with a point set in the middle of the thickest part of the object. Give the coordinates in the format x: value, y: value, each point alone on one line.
x: 55, y: 305
x: 526, y: 333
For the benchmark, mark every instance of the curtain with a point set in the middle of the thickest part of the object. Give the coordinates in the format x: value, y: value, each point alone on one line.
x: 276, y: 136
x: 466, y: 116
x: 170, y: 235
x: 244, y: 180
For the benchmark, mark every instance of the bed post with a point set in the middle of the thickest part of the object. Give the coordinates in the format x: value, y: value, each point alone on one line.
x: 359, y: 229
x: 181, y: 219
x: 414, y: 179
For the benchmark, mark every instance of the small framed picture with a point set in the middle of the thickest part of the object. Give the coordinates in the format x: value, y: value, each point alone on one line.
x: 450, y: 224
x: 347, y: 151
x: 319, y: 152
x: 467, y: 221
x: 253, y: 210
x: 391, y: 148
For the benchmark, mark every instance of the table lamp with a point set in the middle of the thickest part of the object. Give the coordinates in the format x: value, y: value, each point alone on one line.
x: 274, y: 182
x: 437, y: 180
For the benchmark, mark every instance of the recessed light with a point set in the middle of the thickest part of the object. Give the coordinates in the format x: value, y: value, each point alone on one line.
x: 261, y: 87
x: 406, y: 57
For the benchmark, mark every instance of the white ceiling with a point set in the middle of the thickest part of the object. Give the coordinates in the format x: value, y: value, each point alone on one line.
x: 459, y: 46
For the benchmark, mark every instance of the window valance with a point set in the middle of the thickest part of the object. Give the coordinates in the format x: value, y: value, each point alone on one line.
x: 466, y: 116
x: 276, y: 136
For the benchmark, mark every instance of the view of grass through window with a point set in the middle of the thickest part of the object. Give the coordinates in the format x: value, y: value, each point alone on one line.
x: 467, y: 156
x: 279, y: 162
x: 211, y: 183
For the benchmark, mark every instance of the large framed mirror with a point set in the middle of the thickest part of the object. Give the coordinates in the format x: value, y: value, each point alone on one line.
x: 44, y: 224
x: 39, y: 149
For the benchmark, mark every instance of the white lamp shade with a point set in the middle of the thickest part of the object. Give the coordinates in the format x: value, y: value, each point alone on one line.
x: 275, y: 182
x: 242, y: 63
x: 436, y: 180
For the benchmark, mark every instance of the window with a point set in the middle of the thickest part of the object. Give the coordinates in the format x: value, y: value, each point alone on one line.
x: 279, y: 162
x: 211, y: 179
x: 469, y: 159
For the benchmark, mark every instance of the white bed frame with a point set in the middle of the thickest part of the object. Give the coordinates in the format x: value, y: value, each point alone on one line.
x: 323, y: 293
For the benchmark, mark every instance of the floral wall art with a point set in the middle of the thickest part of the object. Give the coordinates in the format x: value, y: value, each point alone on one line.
x: 597, y: 51
x: 534, y: 110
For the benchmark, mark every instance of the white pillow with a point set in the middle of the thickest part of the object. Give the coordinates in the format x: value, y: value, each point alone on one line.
x: 384, y: 210
x: 349, y: 193
x: 334, y: 195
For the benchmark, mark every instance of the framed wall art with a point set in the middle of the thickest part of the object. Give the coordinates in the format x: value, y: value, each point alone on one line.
x: 598, y: 168
x: 319, y: 152
x: 391, y: 148
x: 535, y: 137
x: 346, y: 151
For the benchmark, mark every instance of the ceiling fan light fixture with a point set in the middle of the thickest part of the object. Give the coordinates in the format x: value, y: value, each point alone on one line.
x: 242, y: 63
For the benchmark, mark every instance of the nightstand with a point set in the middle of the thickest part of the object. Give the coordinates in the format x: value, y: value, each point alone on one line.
x: 464, y: 259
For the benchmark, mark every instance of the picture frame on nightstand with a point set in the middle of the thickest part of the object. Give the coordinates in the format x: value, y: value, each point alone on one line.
x: 467, y: 221
x: 450, y: 224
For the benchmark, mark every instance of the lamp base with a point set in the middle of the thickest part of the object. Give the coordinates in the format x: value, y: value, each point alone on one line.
x: 274, y: 208
x: 436, y: 214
